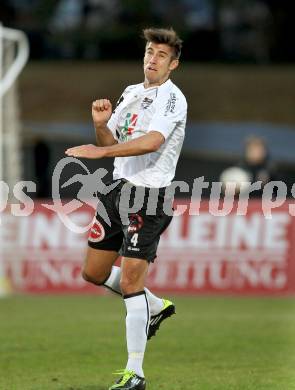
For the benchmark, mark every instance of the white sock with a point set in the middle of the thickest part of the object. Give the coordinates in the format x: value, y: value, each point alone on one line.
x: 137, y: 322
x: 156, y: 304
x: 113, y: 283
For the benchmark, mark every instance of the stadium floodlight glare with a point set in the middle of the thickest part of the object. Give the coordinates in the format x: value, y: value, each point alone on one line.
x: 7, y: 78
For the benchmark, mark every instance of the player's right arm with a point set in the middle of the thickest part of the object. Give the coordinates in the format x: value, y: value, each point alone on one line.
x: 101, y: 113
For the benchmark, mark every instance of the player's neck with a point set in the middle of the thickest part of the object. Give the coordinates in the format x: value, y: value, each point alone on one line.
x: 148, y: 84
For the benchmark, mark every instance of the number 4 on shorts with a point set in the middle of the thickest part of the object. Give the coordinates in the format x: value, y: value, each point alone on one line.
x: 134, y: 239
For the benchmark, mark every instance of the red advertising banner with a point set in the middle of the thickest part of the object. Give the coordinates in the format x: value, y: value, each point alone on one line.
x: 202, y: 253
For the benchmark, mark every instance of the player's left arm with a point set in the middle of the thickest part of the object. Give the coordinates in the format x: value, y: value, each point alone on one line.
x: 147, y: 143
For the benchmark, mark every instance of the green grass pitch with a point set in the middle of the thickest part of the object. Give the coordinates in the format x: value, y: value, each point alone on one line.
x: 216, y: 343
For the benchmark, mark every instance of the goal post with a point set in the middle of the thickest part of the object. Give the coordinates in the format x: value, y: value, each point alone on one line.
x: 14, y: 54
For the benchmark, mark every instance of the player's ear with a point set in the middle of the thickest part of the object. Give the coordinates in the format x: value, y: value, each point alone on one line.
x: 174, y: 64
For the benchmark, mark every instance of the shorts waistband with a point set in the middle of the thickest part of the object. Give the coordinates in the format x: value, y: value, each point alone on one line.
x: 161, y: 189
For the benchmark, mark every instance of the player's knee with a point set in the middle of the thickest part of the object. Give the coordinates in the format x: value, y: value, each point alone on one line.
x: 88, y: 277
x: 94, y: 279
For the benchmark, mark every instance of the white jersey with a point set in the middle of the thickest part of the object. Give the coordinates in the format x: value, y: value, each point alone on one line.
x: 139, y: 111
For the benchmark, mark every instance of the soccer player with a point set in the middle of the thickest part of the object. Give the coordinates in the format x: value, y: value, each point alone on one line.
x: 145, y: 134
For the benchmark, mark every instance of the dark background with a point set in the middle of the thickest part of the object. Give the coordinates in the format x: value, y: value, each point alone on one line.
x: 256, y: 31
x: 237, y: 72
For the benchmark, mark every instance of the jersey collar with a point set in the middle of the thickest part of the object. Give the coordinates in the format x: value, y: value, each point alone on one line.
x: 161, y: 87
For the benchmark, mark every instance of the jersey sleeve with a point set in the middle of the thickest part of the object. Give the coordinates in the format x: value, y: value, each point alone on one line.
x: 171, y: 109
x: 112, y: 122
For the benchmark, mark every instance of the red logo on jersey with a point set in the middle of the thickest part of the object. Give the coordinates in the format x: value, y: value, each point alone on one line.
x: 129, y: 126
x: 132, y: 124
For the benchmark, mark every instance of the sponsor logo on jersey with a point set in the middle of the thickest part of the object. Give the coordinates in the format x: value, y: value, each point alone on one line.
x: 146, y: 103
x: 170, y: 106
x: 129, y: 126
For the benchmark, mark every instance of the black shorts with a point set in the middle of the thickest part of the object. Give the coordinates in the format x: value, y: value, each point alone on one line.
x: 138, y: 234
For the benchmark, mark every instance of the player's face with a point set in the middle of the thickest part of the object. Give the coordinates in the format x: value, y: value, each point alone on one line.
x: 158, y: 62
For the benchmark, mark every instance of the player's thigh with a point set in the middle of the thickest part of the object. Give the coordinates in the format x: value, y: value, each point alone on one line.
x: 133, y: 274
x: 98, y: 263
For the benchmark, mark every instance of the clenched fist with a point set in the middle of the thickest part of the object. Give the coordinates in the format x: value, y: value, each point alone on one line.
x: 101, y: 111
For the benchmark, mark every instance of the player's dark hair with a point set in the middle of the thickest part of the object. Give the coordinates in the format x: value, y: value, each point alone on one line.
x: 164, y: 35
